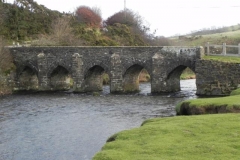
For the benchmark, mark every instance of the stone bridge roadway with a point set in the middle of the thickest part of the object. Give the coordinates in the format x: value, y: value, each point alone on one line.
x: 81, y: 69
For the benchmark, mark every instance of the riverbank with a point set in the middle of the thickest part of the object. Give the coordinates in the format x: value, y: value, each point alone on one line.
x: 212, y: 136
x: 229, y: 104
x: 192, y: 137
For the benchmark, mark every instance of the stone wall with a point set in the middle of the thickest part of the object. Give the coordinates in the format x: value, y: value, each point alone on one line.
x: 216, y: 78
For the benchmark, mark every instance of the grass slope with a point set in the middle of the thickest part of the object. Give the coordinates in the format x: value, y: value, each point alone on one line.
x: 235, y: 92
x: 215, y: 137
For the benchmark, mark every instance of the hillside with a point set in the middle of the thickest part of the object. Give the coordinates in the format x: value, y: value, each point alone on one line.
x: 26, y: 21
x: 230, y: 37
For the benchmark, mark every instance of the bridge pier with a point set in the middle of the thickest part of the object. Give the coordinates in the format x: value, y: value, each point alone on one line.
x: 116, y: 78
x: 43, y: 80
x: 158, y: 78
x: 77, y: 72
x: 161, y: 80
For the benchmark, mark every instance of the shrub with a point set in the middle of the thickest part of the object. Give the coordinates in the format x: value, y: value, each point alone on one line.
x: 89, y: 16
x: 127, y: 17
x: 139, y: 29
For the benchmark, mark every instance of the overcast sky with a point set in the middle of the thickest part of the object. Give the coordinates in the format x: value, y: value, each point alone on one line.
x: 168, y: 17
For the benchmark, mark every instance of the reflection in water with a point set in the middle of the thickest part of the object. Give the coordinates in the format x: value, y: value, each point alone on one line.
x: 75, y: 126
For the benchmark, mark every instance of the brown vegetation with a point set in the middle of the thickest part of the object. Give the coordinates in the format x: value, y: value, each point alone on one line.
x: 61, y: 34
x: 144, y: 76
x: 89, y: 16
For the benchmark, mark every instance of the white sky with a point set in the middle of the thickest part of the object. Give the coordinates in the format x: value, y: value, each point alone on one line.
x: 169, y: 17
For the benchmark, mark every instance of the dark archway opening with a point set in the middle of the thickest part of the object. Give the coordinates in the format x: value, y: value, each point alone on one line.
x: 60, y: 79
x: 95, y: 78
x: 181, y: 78
x: 28, y: 79
x: 132, y: 78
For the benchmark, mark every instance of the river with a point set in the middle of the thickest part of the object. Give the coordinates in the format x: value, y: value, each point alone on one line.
x: 66, y: 126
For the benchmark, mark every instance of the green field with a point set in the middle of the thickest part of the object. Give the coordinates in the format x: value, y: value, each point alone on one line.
x: 215, y: 137
x: 231, y: 37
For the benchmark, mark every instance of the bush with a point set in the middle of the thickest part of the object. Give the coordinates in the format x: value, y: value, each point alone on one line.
x: 127, y: 17
x: 89, y: 16
x: 139, y: 29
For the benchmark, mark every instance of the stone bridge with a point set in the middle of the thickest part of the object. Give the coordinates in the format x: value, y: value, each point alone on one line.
x: 81, y: 69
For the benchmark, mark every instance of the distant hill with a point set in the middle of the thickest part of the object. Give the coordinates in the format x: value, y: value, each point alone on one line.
x: 214, y: 30
x: 230, y: 36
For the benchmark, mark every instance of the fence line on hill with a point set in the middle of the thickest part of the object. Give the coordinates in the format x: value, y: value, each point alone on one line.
x: 224, y: 47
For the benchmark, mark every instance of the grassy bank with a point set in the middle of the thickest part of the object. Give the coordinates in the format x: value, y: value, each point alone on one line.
x: 227, y: 59
x: 235, y: 92
x: 194, y: 137
x: 230, y: 104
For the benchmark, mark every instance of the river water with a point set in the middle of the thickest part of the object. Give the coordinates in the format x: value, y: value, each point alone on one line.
x: 66, y: 126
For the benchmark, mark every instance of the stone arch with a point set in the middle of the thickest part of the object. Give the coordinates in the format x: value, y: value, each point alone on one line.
x: 93, y: 78
x: 181, y: 62
x: 148, y: 67
x: 131, y: 78
x: 60, y: 79
x: 28, y: 78
x: 173, y: 77
x: 91, y: 65
x: 28, y: 64
x: 54, y: 66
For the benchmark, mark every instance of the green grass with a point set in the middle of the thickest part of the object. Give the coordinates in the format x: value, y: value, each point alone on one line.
x: 235, y: 92
x: 209, y: 105
x: 229, y: 104
x: 188, y: 74
x: 215, y: 137
x: 228, y: 59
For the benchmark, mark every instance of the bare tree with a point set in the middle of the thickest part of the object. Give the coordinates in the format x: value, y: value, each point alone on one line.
x: 61, y: 34
x: 97, y: 10
x: 61, y: 29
